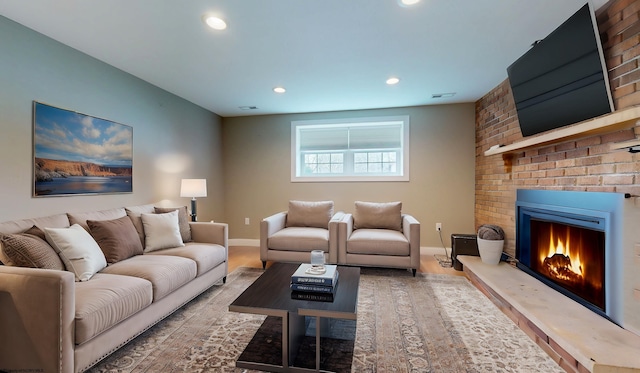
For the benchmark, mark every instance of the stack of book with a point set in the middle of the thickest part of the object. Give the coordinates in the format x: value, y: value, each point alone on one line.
x: 306, y: 285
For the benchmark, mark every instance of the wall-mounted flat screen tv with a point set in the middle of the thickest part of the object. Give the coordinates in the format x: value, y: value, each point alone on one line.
x: 562, y: 79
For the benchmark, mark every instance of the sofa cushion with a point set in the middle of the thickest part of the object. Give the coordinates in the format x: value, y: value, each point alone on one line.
x: 300, y: 239
x: 161, y: 231
x: 309, y: 214
x: 378, y: 242
x: 29, y: 250
x: 19, y: 226
x: 117, y: 238
x: 106, y: 300
x: 78, y: 250
x: 378, y: 215
x: 183, y: 220
x: 135, y: 214
x: 81, y: 218
x: 166, y: 273
x: 207, y: 256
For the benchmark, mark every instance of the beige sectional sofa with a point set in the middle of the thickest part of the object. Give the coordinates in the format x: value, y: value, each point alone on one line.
x: 77, y: 308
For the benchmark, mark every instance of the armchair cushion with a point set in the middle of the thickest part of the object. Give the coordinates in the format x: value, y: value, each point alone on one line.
x: 300, y: 239
x: 309, y: 214
x: 378, y: 242
x: 378, y: 215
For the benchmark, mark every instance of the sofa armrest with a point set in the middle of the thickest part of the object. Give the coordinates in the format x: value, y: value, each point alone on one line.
x: 334, y: 236
x: 411, y: 230
x: 345, y: 228
x: 204, y: 232
x: 269, y: 226
x: 37, y: 311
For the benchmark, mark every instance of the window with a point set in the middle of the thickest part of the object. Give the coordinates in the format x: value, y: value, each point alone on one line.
x: 360, y: 149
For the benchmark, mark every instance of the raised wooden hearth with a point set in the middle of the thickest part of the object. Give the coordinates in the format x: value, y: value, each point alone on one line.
x: 578, y: 339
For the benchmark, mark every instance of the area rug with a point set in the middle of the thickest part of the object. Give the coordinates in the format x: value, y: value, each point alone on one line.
x: 428, y: 323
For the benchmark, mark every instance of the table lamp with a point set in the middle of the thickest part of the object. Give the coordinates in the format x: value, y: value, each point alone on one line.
x: 193, y: 188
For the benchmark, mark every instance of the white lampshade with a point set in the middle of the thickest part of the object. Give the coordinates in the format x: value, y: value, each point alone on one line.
x: 193, y: 188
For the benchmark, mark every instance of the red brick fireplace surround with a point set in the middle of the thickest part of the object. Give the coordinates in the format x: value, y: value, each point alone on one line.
x: 581, y: 162
x: 584, y: 163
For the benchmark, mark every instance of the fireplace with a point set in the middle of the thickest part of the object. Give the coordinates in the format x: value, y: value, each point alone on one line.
x: 568, y: 241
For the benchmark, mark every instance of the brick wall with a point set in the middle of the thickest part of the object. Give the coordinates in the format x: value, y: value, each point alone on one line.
x: 584, y: 164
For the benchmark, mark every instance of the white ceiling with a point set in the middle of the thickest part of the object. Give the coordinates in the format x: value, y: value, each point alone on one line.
x: 329, y: 54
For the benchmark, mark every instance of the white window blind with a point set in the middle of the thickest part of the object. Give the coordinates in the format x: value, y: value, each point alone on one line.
x: 374, y: 149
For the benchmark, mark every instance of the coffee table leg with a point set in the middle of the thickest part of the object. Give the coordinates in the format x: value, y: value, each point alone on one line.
x: 295, y: 335
x: 318, y: 328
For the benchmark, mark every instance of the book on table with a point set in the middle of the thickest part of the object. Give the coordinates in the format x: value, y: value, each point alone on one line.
x: 328, y: 278
x: 312, y: 286
x: 320, y: 297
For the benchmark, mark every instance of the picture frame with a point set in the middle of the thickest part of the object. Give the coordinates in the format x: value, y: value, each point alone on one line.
x: 79, y: 154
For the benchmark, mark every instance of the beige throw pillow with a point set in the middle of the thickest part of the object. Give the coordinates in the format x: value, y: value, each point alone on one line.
x: 78, y: 250
x: 378, y: 215
x: 309, y: 214
x: 161, y: 231
x: 183, y: 220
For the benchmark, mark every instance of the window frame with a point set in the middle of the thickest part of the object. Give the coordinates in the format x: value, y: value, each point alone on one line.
x: 403, y: 152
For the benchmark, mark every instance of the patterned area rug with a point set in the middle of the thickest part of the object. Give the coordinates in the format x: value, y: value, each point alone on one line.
x: 430, y: 323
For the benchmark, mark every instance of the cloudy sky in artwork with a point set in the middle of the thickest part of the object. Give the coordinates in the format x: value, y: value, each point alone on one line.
x: 66, y: 135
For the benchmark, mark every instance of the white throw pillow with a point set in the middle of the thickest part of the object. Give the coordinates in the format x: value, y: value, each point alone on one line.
x: 161, y: 231
x: 79, y: 252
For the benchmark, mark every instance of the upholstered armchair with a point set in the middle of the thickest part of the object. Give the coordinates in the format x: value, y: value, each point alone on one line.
x: 379, y: 235
x: 291, y: 235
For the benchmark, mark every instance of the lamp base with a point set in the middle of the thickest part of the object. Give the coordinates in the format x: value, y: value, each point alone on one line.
x: 194, y: 216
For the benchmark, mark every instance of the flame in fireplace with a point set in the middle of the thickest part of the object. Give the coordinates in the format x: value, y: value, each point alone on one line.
x: 562, y: 262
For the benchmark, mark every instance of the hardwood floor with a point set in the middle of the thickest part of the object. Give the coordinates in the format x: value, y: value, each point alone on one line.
x: 249, y: 256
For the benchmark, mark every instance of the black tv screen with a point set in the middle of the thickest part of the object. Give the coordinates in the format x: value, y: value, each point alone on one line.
x: 562, y: 79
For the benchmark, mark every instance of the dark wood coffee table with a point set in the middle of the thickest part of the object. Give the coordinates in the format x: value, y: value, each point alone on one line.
x: 270, y: 295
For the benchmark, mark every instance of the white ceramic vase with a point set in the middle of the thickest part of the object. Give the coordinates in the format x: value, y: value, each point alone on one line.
x: 490, y: 250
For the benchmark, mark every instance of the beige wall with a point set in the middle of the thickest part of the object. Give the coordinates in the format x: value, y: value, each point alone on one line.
x: 173, y: 138
x: 257, y: 151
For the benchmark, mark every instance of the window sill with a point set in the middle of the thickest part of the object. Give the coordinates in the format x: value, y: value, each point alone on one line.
x: 341, y: 179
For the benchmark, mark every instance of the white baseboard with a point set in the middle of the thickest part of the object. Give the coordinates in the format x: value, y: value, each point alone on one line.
x: 424, y: 250
x: 243, y: 242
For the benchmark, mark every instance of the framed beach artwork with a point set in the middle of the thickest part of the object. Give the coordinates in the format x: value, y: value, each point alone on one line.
x: 76, y: 154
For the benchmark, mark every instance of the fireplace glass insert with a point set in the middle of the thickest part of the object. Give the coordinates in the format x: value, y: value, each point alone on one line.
x: 566, y: 251
x: 571, y: 257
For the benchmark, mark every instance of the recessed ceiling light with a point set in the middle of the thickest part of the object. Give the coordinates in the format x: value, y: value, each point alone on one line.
x: 408, y: 2
x: 392, y: 81
x: 279, y: 90
x: 214, y: 22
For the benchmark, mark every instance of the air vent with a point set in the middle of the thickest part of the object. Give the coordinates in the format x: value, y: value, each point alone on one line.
x: 247, y: 107
x: 443, y: 95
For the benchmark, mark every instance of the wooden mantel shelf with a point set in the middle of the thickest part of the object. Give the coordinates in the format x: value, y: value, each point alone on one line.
x: 617, y: 120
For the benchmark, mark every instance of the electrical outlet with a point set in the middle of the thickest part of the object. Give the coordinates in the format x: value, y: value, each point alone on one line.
x: 438, y: 227
x: 247, y: 221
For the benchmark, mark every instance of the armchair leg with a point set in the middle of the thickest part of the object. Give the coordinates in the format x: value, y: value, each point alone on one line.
x: 264, y: 264
x: 414, y: 271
